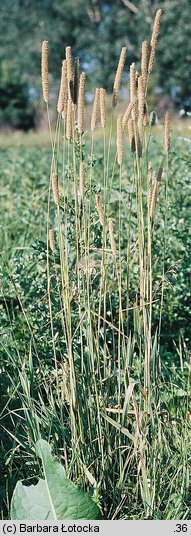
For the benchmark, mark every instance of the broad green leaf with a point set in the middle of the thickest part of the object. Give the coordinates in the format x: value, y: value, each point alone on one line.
x: 55, y: 497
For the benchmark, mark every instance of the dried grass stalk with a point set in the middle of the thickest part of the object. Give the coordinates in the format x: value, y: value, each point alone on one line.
x: 133, y: 91
x: 131, y: 132
x: 154, y: 39
x: 144, y: 62
x: 95, y: 109
x: 44, y: 71
x: 51, y: 239
x: 81, y: 103
x: 81, y: 179
x: 69, y: 134
x: 120, y: 139
x: 102, y: 107
x: 118, y: 76
x: 63, y: 87
x: 100, y: 209
x: 69, y: 72
x: 167, y: 131
x: 155, y: 193
x: 111, y: 237
x: 150, y: 179
x: 55, y: 189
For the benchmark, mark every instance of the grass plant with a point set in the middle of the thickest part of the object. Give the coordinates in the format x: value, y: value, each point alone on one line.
x: 91, y: 376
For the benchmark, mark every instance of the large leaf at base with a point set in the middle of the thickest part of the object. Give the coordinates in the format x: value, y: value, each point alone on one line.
x: 55, y: 497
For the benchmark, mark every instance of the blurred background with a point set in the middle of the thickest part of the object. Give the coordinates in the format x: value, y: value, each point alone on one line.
x: 96, y: 30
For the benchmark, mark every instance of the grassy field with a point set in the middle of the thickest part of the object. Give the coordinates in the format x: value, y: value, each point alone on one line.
x: 154, y: 481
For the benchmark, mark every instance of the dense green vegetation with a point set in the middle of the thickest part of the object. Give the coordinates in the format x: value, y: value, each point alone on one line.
x: 29, y: 394
x: 16, y: 110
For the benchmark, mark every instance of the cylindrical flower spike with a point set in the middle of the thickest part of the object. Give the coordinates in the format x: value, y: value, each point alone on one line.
x: 155, y: 192
x: 51, y: 239
x: 69, y: 72
x: 120, y: 139
x: 100, y: 209
x: 154, y: 39
x: 63, y: 88
x: 95, y: 109
x: 102, y: 107
x: 69, y: 120
x: 133, y: 90
x: 44, y: 71
x: 111, y: 238
x: 144, y: 62
x: 81, y: 103
x: 118, y: 76
x: 55, y: 189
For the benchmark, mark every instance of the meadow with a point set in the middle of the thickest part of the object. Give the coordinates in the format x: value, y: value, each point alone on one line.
x: 95, y: 307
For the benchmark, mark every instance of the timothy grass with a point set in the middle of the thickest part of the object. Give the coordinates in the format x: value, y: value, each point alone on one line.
x: 88, y: 360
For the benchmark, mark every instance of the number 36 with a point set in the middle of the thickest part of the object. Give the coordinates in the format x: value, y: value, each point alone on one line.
x: 181, y: 528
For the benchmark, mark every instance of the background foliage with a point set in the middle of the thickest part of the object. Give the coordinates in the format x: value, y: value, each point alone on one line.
x: 92, y: 27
